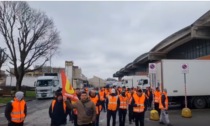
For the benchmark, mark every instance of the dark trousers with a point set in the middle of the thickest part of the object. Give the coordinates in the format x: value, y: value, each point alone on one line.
x: 106, y: 105
x: 70, y: 115
x: 139, y: 118
x: 103, y: 105
x: 122, y: 115
x: 15, y: 124
x: 109, y: 115
x: 157, y: 108
x: 149, y: 102
x: 97, y: 120
x: 75, y: 119
x: 130, y: 113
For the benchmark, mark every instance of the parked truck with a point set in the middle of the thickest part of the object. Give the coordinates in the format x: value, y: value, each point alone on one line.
x: 46, y: 85
x: 169, y: 75
x: 134, y: 81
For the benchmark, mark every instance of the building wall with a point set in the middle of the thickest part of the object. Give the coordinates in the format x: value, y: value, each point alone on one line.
x: 95, y: 82
x: 193, y: 49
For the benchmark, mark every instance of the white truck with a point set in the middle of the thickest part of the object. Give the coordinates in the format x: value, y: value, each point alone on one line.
x: 170, y: 76
x: 134, y: 81
x: 45, y: 86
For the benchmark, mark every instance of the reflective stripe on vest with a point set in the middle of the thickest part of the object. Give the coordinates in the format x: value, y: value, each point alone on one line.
x: 112, y: 105
x: 17, y: 114
x: 123, y: 102
x: 139, y: 101
x: 64, y: 106
x: 157, y: 96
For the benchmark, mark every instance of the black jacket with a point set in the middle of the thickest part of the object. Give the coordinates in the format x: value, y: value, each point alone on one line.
x: 58, y: 116
x: 9, y: 108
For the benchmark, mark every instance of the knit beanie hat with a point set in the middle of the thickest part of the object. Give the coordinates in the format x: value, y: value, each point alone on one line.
x: 19, y: 95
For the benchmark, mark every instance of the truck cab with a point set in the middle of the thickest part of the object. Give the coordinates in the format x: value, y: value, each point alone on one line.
x: 134, y: 81
x: 45, y: 86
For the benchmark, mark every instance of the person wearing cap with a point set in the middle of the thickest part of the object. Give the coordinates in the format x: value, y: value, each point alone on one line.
x: 113, y: 103
x: 139, y: 103
x: 123, y: 108
x: 163, y: 105
x: 58, y: 111
x: 16, y: 110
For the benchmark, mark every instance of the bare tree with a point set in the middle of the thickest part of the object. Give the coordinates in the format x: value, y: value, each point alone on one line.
x: 3, y: 57
x: 30, y: 36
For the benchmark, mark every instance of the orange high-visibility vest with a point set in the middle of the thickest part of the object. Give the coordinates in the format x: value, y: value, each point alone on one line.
x: 107, y: 94
x: 112, y: 105
x: 101, y: 93
x: 157, y: 95
x: 140, y: 102
x: 166, y: 102
x: 17, y: 114
x: 123, y: 102
x: 64, y: 105
x: 95, y: 100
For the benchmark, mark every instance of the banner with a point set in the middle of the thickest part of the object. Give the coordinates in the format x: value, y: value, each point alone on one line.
x: 67, y: 89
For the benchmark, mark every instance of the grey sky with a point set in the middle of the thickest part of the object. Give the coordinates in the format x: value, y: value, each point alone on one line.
x: 103, y: 37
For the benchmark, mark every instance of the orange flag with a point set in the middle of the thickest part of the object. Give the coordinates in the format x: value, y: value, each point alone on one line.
x: 67, y: 89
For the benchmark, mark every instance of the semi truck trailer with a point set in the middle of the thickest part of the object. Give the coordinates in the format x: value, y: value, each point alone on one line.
x: 170, y: 75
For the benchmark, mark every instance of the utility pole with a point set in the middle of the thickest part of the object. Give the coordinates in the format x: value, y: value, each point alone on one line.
x: 99, y: 82
x: 50, y: 63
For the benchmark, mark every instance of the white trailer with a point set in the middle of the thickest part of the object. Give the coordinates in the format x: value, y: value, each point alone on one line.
x: 169, y: 76
x: 134, y: 81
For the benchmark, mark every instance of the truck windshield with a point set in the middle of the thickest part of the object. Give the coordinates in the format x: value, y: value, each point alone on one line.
x: 143, y: 82
x: 43, y: 83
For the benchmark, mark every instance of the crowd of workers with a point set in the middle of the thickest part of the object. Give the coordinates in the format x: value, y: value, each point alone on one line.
x: 86, y: 110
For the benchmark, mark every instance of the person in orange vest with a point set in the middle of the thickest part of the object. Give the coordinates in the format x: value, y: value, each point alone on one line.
x: 102, y: 98
x: 16, y: 110
x: 95, y: 99
x: 123, y: 108
x: 139, y: 103
x: 58, y: 111
x: 163, y: 105
x: 74, y: 113
x: 157, y: 96
x: 113, y: 103
x: 148, y: 94
x: 130, y: 108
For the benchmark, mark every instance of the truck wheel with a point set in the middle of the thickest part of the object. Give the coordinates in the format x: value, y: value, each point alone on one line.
x: 199, y: 103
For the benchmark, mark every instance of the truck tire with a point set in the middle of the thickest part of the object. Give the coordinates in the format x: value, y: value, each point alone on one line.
x: 199, y: 102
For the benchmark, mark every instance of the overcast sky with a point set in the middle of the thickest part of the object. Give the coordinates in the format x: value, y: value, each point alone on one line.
x: 103, y: 37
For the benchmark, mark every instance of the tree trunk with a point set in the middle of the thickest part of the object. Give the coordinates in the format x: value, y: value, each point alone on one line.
x: 18, y: 83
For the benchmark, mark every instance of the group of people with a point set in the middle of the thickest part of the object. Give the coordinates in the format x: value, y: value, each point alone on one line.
x: 86, y: 110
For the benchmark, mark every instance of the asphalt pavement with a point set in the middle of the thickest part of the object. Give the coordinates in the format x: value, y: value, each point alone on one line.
x: 38, y: 116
